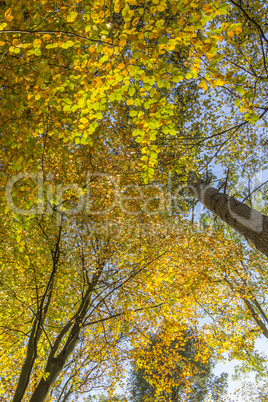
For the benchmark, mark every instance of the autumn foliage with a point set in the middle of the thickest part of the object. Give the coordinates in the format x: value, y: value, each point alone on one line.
x: 107, y: 108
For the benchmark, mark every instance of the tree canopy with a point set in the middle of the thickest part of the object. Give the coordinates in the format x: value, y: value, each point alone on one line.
x: 153, y: 365
x: 116, y: 118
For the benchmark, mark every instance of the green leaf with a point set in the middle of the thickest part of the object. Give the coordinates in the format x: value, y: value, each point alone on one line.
x: 112, y: 97
x: 153, y: 123
x: 224, y: 8
x: 74, y: 108
x: 96, y: 106
x: 98, y: 116
x: 37, y: 51
x: 237, y: 102
x: 240, y: 90
x: 165, y: 130
x: 132, y: 90
x: 252, y: 118
x: 71, y: 17
x: 67, y: 44
x: 103, y: 59
x: 152, y: 135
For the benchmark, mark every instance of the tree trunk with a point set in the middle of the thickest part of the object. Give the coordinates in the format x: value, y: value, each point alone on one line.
x: 26, y: 369
x: 54, y: 368
x: 245, y: 220
x: 56, y: 364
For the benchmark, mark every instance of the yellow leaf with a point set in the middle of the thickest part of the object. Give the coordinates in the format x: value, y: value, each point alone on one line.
x: 15, y: 42
x: 161, y: 7
x: 9, y: 18
x: 207, y: 8
x: 71, y: 17
x: 46, y: 36
x: 194, y: 72
x: 108, y: 67
x: 210, y: 55
x: 219, y: 82
x: 237, y: 30
x: 190, y: 29
x: 203, y: 84
x: 37, y: 42
x: 8, y: 15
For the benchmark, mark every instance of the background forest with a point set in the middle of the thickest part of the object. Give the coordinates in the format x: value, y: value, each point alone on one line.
x: 118, y: 119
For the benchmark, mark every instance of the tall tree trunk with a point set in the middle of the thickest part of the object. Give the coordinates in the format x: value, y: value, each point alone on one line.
x: 245, y: 220
x: 54, y: 367
x: 55, y: 364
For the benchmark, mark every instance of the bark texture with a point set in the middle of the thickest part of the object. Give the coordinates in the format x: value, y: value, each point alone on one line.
x: 245, y: 220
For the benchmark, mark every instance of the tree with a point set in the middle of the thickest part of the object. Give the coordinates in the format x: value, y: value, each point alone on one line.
x: 181, y: 352
x: 254, y: 391
x: 89, y: 90
x: 248, y: 222
x: 251, y: 224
